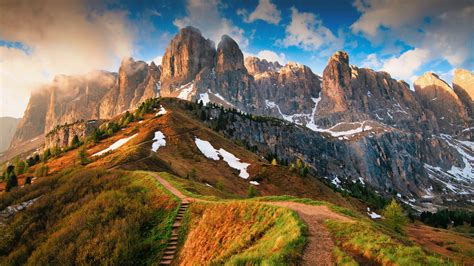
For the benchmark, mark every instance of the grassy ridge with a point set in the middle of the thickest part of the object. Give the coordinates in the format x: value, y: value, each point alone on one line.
x: 88, y: 217
x: 242, y: 233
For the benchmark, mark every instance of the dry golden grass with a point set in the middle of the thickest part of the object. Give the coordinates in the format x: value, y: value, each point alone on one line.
x: 242, y: 233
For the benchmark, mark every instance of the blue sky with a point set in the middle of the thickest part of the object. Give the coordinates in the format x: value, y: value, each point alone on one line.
x: 403, y: 38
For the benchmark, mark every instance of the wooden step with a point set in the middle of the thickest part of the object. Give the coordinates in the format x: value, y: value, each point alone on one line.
x: 173, y: 243
x: 177, y: 224
x: 169, y: 252
x: 170, y: 247
x: 167, y: 257
x: 173, y: 238
x: 166, y: 262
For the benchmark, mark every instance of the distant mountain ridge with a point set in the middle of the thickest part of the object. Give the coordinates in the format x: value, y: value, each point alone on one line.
x: 415, y: 143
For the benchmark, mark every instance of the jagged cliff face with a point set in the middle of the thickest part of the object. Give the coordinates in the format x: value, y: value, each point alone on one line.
x: 136, y: 82
x: 463, y: 85
x: 33, y: 122
x: 96, y: 95
x: 425, y: 171
x: 186, y: 55
x: 437, y: 97
x: 62, y: 136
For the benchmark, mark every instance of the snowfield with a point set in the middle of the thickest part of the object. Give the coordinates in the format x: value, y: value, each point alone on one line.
x: 159, y: 141
x: 119, y: 143
x: 210, y: 152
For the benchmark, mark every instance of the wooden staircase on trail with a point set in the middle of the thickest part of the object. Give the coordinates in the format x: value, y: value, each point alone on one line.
x: 172, y: 247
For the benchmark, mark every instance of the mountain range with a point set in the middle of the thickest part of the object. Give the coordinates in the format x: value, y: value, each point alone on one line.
x: 350, y: 124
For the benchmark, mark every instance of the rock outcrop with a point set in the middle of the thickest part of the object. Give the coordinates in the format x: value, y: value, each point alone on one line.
x: 336, y: 90
x: 437, y: 97
x: 232, y: 79
x: 62, y: 136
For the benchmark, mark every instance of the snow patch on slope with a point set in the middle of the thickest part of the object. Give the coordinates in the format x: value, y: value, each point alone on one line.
x: 158, y: 141
x: 119, y: 143
x: 207, y: 149
x: 210, y: 152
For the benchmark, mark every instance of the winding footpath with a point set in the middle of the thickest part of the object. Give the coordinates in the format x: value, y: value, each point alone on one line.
x: 318, y: 250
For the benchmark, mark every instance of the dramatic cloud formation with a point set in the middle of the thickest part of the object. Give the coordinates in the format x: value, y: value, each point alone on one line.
x: 307, y: 32
x: 404, y: 66
x: 442, y: 28
x: 265, y: 11
x: 61, y: 37
x: 205, y: 15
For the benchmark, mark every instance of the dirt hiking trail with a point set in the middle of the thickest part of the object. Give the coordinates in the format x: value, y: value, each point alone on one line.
x: 318, y: 250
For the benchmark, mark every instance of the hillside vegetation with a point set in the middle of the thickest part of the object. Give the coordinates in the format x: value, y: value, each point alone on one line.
x: 87, y: 217
x: 241, y: 233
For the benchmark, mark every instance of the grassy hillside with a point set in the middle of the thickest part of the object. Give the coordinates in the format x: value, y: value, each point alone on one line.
x: 242, y: 233
x: 87, y: 217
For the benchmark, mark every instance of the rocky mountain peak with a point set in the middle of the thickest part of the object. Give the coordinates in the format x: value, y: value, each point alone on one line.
x: 229, y: 55
x: 336, y: 84
x: 186, y: 55
x: 339, y: 56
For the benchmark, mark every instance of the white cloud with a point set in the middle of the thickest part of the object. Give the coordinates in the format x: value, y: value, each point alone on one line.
x: 63, y: 37
x: 405, y: 66
x: 442, y: 27
x: 307, y: 32
x: 372, y: 61
x: 205, y: 15
x: 266, y: 11
x: 270, y: 56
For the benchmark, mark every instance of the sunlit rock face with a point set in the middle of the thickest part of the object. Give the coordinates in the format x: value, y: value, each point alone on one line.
x: 463, y: 85
x: 437, y: 97
x: 186, y: 55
